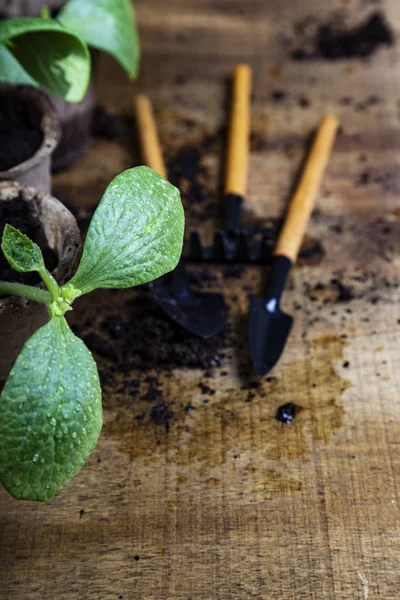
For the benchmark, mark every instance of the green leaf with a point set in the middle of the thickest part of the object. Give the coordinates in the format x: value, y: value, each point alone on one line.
x: 22, y: 254
x: 136, y: 233
x: 11, y: 70
x: 56, y: 58
x: 107, y: 26
x: 50, y: 413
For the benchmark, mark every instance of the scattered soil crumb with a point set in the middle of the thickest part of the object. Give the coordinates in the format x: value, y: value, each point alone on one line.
x: 334, y: 41
x: 111, y: 127
x: 161, y: 415
x: 345, y: 293
x: 287, y: 412
x: 278, y: 95
x: 187, y: 172
x: 311, y: 252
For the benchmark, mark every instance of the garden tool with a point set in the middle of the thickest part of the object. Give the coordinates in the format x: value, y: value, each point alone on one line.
x: 269, y: 327
x: 203, y: 314
x: 233, y: 244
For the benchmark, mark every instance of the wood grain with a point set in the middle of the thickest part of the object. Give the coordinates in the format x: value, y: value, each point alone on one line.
x: 230, y: 504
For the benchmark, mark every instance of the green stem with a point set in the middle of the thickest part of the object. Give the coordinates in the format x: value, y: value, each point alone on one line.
x: 45, y: 12
x: 50, y: 282
x: 26, y: 291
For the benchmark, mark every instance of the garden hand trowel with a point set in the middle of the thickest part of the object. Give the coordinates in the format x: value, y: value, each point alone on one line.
x: 269, y: 327
x: 203, y: 314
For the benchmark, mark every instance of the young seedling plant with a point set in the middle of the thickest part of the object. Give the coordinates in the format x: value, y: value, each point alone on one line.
x: 50, y: 406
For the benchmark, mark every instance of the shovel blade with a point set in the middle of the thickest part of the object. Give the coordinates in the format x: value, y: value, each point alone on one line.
x: 203, y: 315
x: 268, y: 332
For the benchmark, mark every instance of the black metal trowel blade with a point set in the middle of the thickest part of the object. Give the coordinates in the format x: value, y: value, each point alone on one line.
x: 268, y: 332
x: 269, y: 327
x: 203, y: 314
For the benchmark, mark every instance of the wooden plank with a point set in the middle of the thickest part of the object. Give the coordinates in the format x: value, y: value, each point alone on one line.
x: 228, y: 503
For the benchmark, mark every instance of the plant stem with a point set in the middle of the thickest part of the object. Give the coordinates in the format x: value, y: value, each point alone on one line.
x: 27, y: 291
x: 45, y: 12
x: 50, y: 282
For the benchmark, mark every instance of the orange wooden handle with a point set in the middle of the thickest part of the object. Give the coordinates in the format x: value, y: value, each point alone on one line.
x: 149, y: 141
x: 303, y: 201
x: 239, y: 130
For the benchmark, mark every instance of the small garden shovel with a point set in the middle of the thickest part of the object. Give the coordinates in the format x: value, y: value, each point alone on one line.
x: 269, y: 327
x: 203, y: 314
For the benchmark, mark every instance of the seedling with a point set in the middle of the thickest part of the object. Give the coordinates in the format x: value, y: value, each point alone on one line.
x: 53, y: 53
x: 50, y: 406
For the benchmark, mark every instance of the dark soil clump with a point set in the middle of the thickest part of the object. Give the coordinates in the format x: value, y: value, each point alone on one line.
x: 20, y: 133
x: 345, y: 293
x: 188, y: 173
x: 115, y: 326
x: 161, y: 415
x: 333, y: 41
x: 187, y: 165
x: 116, y: 128
x: 108, y: 126
x: 311, y: 252
x: 101, y: 346
x: 287, y: 412
x: 154, y: 391
x: 18, y: 214
x: 278, y: 96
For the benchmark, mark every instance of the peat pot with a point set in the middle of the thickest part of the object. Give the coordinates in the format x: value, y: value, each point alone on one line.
x: 57, y: 229
x: 24, y: 107
x: 75, y: 118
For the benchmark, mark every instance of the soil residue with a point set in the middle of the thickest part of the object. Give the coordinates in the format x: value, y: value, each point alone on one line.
x: 335, y: 41
x: 142, y: 341
x: 156, y: 341
x: 345, y: 292
x: 311, y: 252
x: 238, y: 428
x: 18, y: 214
x: 287, y: 412
x: 161, y: 415
x: 136, y: 346
x: 189, y: 175
x: 106, y: 125
x: 20, y: 132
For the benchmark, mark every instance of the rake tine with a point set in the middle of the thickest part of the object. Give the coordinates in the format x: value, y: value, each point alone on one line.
x: 242, y: 247
x: 219, y: 247
x: 266, y: 246
x: 195, y: 247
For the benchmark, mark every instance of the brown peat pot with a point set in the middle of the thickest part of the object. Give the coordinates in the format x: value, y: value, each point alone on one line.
x: 57, y: 229
x: 29, y: 112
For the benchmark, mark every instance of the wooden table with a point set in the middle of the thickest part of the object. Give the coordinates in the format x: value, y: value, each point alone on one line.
x: 228, y: 503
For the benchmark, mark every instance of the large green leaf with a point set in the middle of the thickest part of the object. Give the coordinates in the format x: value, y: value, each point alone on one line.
x: 106, y: 25
x: 136, y: 233
x: 11, y: 71
x: 50, y: 413
x: 56, y: 58
x: 22, y: 254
